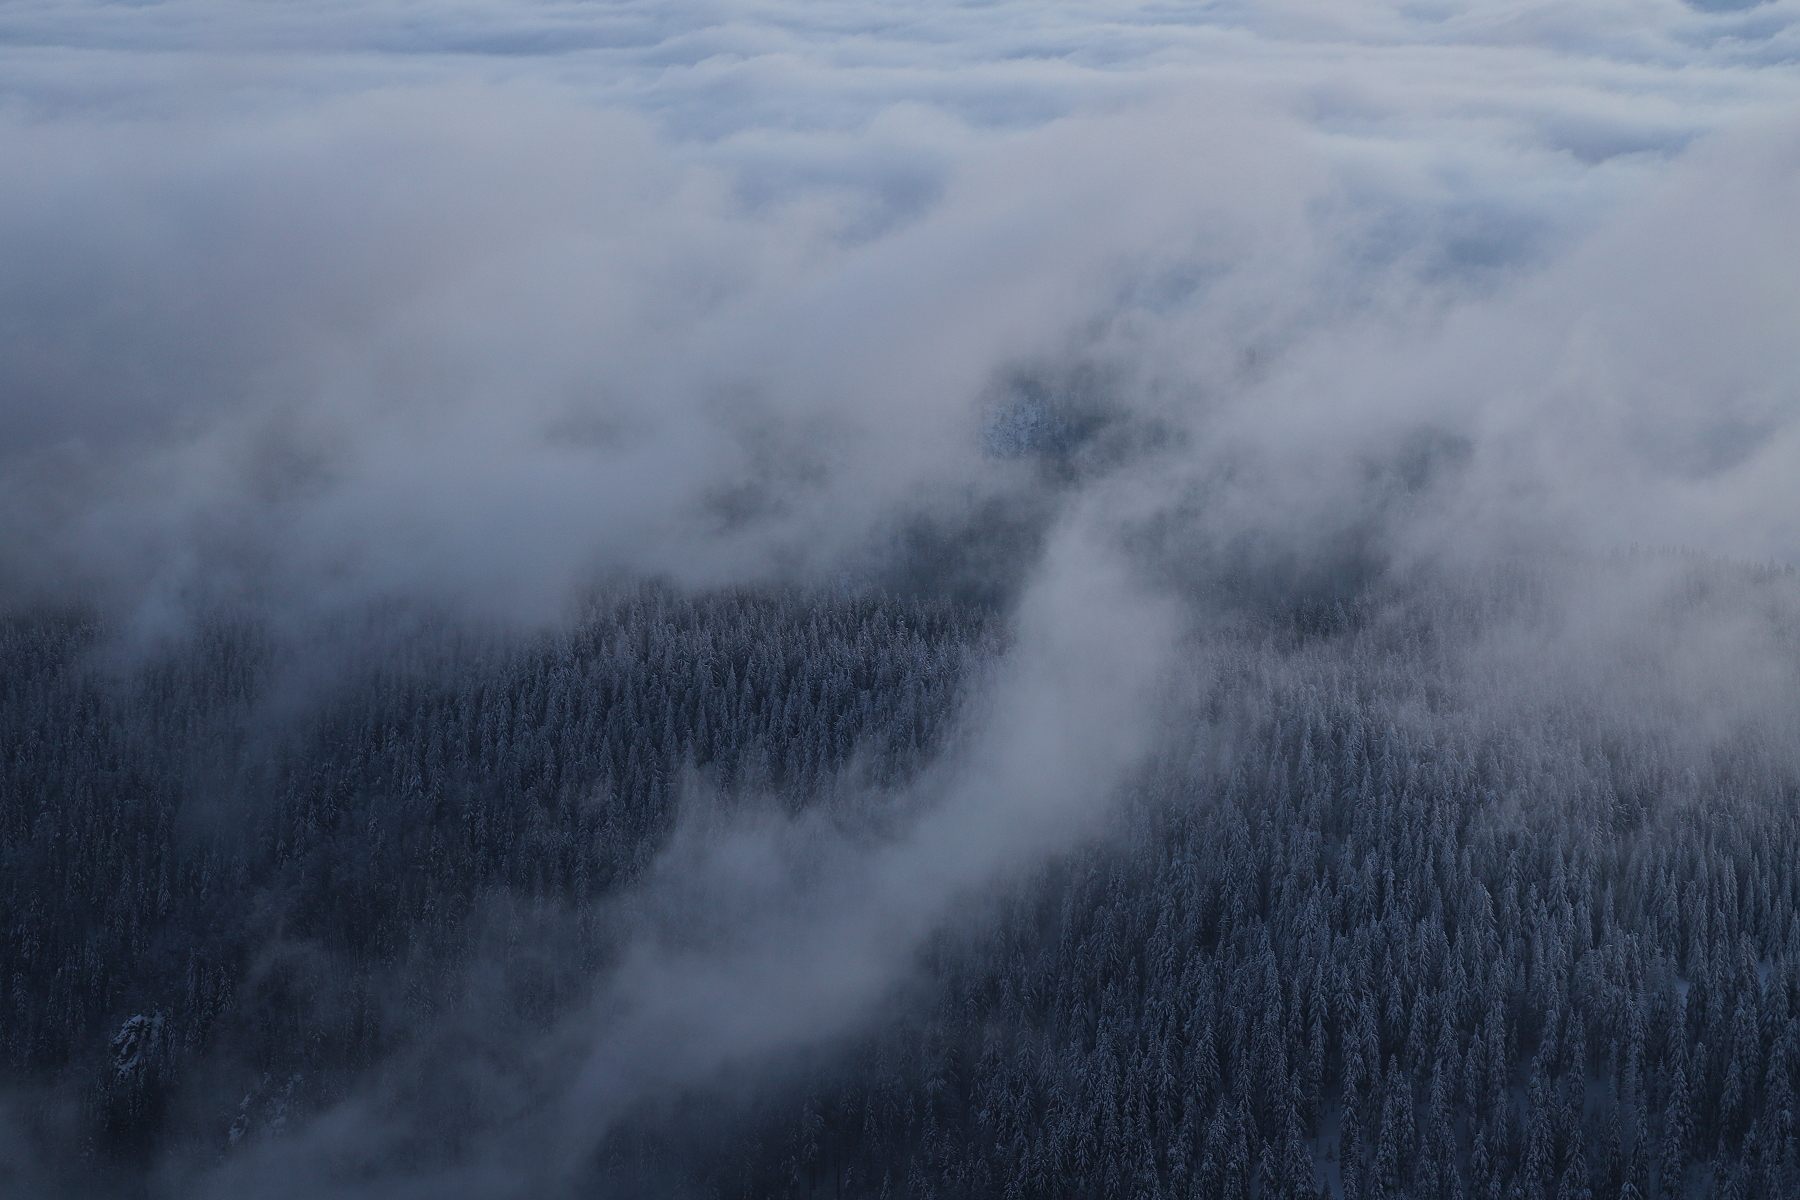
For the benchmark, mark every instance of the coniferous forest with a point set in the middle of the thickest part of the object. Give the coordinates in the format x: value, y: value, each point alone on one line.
x: 1349, y: 929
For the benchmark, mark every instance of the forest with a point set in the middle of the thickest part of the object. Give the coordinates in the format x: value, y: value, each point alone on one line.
x: 1366, y: 923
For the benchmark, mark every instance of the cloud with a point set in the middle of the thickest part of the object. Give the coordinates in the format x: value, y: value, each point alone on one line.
x: 525, y: 293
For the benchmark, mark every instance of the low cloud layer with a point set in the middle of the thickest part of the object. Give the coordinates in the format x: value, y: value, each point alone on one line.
x: 513, y: 298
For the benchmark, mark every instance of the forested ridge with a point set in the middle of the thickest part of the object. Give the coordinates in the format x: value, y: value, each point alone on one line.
x: 239, y: 851
x: 1371, y: 964
x: 1352, y: 931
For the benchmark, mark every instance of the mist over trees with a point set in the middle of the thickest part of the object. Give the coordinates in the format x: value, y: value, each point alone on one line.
x: 1352, y: 931
x: 945, y: 601
x: 292, y: 858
